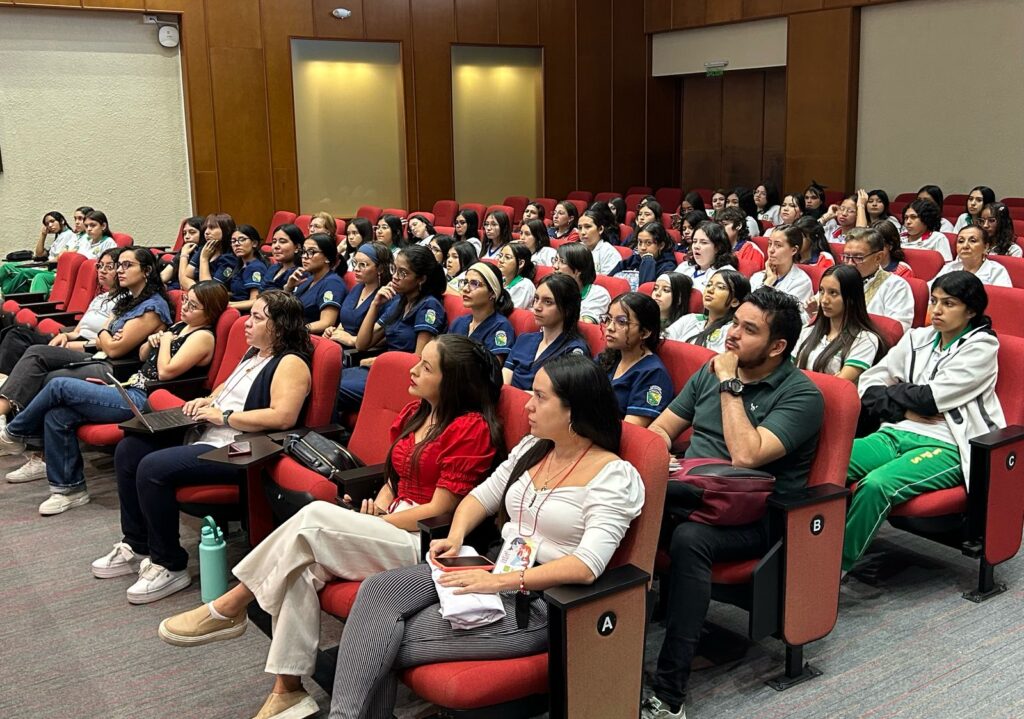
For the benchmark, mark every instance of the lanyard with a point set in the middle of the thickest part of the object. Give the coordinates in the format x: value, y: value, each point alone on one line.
x: 536, y: 516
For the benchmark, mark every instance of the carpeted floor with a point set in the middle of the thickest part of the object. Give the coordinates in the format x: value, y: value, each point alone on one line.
x: 71, y: 645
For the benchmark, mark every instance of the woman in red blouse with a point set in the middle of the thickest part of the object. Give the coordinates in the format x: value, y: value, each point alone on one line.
x: 443, y: 444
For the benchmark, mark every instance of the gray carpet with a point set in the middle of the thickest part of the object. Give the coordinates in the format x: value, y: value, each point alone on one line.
x: 71, y: 645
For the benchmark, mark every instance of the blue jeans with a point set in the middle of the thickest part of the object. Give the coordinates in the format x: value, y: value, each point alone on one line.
x: 63, y: 405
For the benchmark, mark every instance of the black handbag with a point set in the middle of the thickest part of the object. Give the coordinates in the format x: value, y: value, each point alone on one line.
x: 19, y: 256
x: 320, y: 454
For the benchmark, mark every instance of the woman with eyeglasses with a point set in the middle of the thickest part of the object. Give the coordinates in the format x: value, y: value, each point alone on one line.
x: 286, y: 252
x: 710, y: 252
x: 556, y: 309
x: 250, y: 268
x: 214, y: 260
x: 671, y: 292
x: 977, y: 198
x: 372, y: 269
x: 534, y: 235
x: 467, y: 228
x: 576, y: 261
x: 563, y: 222
x: 840, y: 219
x: 323, y: 223
x: 404, y: 316
x: 921, y: 228
x: 358, y: 232
x: 488, y: 301
x: 652, y: 256
x: 724, y: 292
x: 389, y: 231
x: 886, y: 293
x: 996, y: 221
x: 183, y: 350
x: 972, y: 251
x: 646, y: 213
x: 320, y: 290
x: 461, y: 256
x: 632, y: 333
x: 517, y: 274
x: 497, y: 234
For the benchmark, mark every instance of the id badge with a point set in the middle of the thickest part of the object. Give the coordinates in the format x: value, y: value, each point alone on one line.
x: 516, y: 555
x: 632, y: 277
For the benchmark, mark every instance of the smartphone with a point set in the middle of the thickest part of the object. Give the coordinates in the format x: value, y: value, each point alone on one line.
x: 455, y: 564
x: 239, y: 449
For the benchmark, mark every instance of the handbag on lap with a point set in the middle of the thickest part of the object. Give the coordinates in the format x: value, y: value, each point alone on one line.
x: 712, y: 491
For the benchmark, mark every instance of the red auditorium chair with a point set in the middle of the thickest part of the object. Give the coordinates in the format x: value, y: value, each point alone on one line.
x: 1013, y: 201
x: 749, y: 265
x: 428, y: 215
x: 370, y: 212
x: 633, y: 202
x: 581, y: 196
x: 666, y: 219
x: 445, y: 211
x: 956, y: 201
x: 792, y: 592
x: 892, y: 331
x: 476, y: 207
x: 905, y: 197
x: 522, y: 321
x: 670, y: 198
x: 762, y: 242
x: 575, y: 674
x: 624, y: 252
x: 625, y: 230
x: 919, y: 288
x: 453, y: 308
x: 896, y: 209
x: 396, y: 211
x: 985, y: 523
x: 615, y: 285
x: 814, y: 272
x: 630, y: 217
x: 67, y: 271
x: 82, y: 293
x: 682, y: 360
x: 1014, y: 267
x: 925, y: 263
x: 951, y: 238
x: 838, y: 248
x: 580, y: 204
x: 639, y: 190
x: 1018, y: 227
x: 1004, y: 307
x: 504, y: 208
x: 302, y: 222
x: 122, y: 239
x: 834, y: 197
x: 1016, y: 212
x: 281, y: 217
x: 548, y: 204
x: 705, y: 194
x: 594, y: 335
x: 518, y: 203
x: 543, y: 271
x: 606, y: 196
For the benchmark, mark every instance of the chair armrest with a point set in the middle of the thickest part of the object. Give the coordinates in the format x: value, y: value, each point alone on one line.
x: 331, y: 431
x: 995, y: 504
x: 184, y: 388
x: 433, y: 528
x: 352, y: 357
x: 612, y: 581
x: 23, y: 297
x: 807, y: 496
x: 42, y: 307
x: 360, y: 482
x: 124, y: 367
x: 64, y: 318
x: 263, y: 449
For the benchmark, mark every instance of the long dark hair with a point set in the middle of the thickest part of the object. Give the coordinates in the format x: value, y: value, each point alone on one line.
x: 577, y: 257
x: 967, y: 288
x: 366, y: 236
x: 503, y: 302
x: 647, y: 314
x: 394, y: 224
x: 294, y: 235
x: 585, y: 390
x: 124, y: 300
x: 1004, y: 236
x: 890, y: 239
x: 723, y: 248
x: 884, y: 197
x: 257, y: 253
x: 739, y: 288
x: 988, y: 196
x: 466, y: 251
x: 100, y: 218
x: 696, y: 201
x: 60, y: 219
x: 567, y: 299
x: 284, y: 310
x: 227, y: 228
x: 424, y: 264
x: 470, y: 382
x: 814, y: 234
x: 855, y: 321
x: 522, y: 254
x: 411, y: 238
x: 818, y: 190
x: 682, y: 287
x: 746, y: 201
x: 540, y: 234
x: 504, y: 230
x: 472, y: 224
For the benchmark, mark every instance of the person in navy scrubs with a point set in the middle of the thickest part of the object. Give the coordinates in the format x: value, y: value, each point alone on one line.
x: 285, y: 253
x: 489, y: 305
x: 371, y: 266
x: 250, y: 269
x: 556, y: 308
x: 320, y: 290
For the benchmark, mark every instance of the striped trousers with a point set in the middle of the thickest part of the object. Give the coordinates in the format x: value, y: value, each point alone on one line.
x: 396, y: 623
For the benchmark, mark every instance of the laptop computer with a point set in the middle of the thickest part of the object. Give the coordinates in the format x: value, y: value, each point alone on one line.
x: 154, y: 421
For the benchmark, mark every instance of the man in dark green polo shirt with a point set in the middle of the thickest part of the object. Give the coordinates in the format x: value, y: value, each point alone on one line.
x: 751, y: 406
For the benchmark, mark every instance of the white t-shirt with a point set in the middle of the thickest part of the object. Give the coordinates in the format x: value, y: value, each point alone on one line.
x: 945, y: 225
x: 700, y: 277
x: 595, y: 302
x: 861, y: 355
x: 544, y: 257
x: 233, y: 396
x: 928, y: 241
x: 771, y: 214
x: 1014, y: 251
x: 606, y: 257
x: 95, y: 316
x: 796, y: 283
x: 893, y: 299
x: 963, y: 221
x: 687, y: 327
x: 91, y: 252
x: 521, y: 291
x: 66, y: 240
x: 990, y: 273
x: 752, y: 227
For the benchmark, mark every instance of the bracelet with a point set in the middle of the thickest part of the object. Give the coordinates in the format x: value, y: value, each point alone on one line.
x: 522, y: 582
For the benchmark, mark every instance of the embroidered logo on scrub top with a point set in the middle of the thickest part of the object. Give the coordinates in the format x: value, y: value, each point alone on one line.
x: 713, y: 337
x: 654, y: 395
x: 228, y: 271
x: 257, y: 276
x: 500, y: 338
x: 328, y: 296
x: 430, y: 316
x: 577, y: 351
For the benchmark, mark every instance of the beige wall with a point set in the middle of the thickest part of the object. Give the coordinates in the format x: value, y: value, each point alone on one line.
x: 941, y: 98
x: 746, y: 46
x: 91, y: 112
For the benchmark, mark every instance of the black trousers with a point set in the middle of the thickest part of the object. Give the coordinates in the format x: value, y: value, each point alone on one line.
x: 694, y: 548
x: 41, y: 363
x: 14, y: 340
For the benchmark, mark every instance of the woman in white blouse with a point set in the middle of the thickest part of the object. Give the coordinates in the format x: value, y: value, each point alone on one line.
x: 724, y: 292
x: 921, y: 229
x: 566, y: 500
x: 781, y: 271
x: 972, y: 249
x: 710, y: 251
x: 534, y: 235
x: 516, y: 271
x: 766, y: 197
x: 843, y: 341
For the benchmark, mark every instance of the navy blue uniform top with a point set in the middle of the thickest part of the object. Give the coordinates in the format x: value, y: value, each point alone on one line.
x: 249, y: 278
x: 523, y: 360
x: 328, y: 291
x: 427, y: 316
x: 645, y: 389
x: 270, y: 279
x: 352, y: 313
x: 221, y: 268
x: 650, y: 268
x: 495, y: 333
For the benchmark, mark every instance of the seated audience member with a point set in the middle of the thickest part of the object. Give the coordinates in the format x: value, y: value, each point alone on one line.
x: 323, y: 222
x: 395, y: 622
x: 286, y: 256
x: 64, y: 238
x: 933, y: 194
x: 743, y: 199
x: 710, y: 252
x: 603, y: 217
x: 467, y: 228
x: 998, y: 225
x: 358, y: 232
x: 97, y: 239
x: 556, y: 308
x: 646, y: 213
x: 872, y: 207
x: 265, y: 392
x: 372, y: 270
x: 653, y: 254
x: 185, y: 349
x: 214, y: 260
x: 791, y: 209
x: 753, y: 407
x: 17, y: 339
x: 642, y: 385
x: 563, y: 222
x: 78, y: 218
x: 692, y: 202
x: 534, y: 235
x: 389, y: 231
x: 419, y: 230
x: 717, y: 202
x: 618, y: 209
x: 316, y: 286
x: 439, y: 245
x: 814, y: 248
x: 724, y: 292
x: 892, y: 258
x: 977, y: 198
x: 250, y: 267
x: 843, y: 341
x: 933, y: 392
x: 921, y: 228
x: 593, y: 237
x: 497, y: 234
x: 840, y: 219
x: 766, y: 199
x: 972, y: 251
x: 403, y: 316
x: 814, y: 200
x: 688, y: 224
x: 461, y: 257
x: 489, y: 305
x: 191, y: 231
x: 517, y: 274
x: 443, y: 443
x: 533, y: 211
x: 781, y: 271
x: 733, y: 221
x: 672, y: 293
x: 576, y: 261
x: 886, y: 293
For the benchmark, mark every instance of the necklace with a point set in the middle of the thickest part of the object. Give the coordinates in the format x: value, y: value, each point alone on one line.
x: 565, y: 471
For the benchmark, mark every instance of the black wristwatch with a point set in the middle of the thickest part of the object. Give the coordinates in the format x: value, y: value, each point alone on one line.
x: 227, y: 414
x: 732, y: 385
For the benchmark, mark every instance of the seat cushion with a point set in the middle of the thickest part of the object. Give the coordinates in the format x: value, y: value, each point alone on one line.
x: 289, y: 474
x: 338, y: 597
x: 476, y: 684
x: 733, y: 572
x: 208, y: 494
x: 100, y: 435
x: 934, y: 504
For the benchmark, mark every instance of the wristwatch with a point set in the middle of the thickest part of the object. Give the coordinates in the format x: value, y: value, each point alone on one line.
x: 226, y: 415
x: 732, y: 385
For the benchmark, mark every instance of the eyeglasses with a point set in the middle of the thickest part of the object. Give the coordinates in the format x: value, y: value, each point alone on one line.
x: 490, y: 224
x: 857, y: 259
x: 363, y: 265
x: 108, y: 266
x: 191, y: 306
x: 239, y: 240
x: 556, y: 261
x: 310, y: 253
x: 127, y: 265
x: 621, y: 321
x: 472, y: 285
x: 400, y: 273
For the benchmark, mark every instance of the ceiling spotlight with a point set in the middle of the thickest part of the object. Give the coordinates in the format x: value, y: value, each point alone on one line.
x: 341, y: 13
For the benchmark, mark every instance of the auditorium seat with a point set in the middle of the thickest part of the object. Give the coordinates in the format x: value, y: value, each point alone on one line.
x: 445, y: 211
x: 476, y: 207
x: 302, y: 222
x: 633, y: 202
x: 670, y: 198
x: 606, y: 196
x: 919, y: 288
x: 749, y: 266
x: 281, y: 217
x: 705, y: 194
x: 1013, y: 201
x: 429, y: 216
x: 581, y: 196
x: 815, y: 272
x: 892, y: 331
x: 925, y: 263
x: 549, y: 206
x: 370, y: 212
x: 594, y: 335
x: 523, y: 321
x: 639, y: 190
x: 905, y: 197
x: 453, y: 308
x: 504, y: 208
x: 122, y: 239
x: 1005, y: 308
x: 834, y: 197
x: 518, y: 203
x: 615, y: 285
x: 580, y: 204
x: 396, y: 211
x: 624, y: 252
x: 64, y: 278
x: 1014, y: 267
x: 762, y: 242
x: 83, y: 290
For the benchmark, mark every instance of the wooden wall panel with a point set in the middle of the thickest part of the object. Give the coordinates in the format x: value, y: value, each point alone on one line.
x: 114, y: 4
x: 558, y: 35
x: 719, y: 11
x: 593, y: 94
x: 701, y: 132
x: 234, y: 24
x: 476, y: 21
x: 689, y: 13
x: 657, y: 15
x: 629, y: 64
x: 387, y: 19
x: 327, y: 25
x: 792, y: 6
x: 742, y: 128
x: 760, y: 8
x: 773, y: 158
x: 518, y: 22
x: 52, y: 3
x: 662, y: 133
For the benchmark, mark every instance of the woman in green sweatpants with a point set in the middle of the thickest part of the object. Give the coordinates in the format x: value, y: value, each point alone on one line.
x: 933, y: 392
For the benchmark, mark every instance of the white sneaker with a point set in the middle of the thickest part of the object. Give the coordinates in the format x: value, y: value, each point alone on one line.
x: 119, y: 561
x: 3, y: 378
x: 33, y: 469
x: 654, y: 708
x: 156, y: 582
x: 9, y: 445
x: 58, y: 503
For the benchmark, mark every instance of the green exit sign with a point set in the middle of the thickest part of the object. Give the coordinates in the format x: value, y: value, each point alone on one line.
x: 714, y: 72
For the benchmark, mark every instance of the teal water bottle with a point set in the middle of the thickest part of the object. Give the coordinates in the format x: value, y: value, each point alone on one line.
x: 213, y: 561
